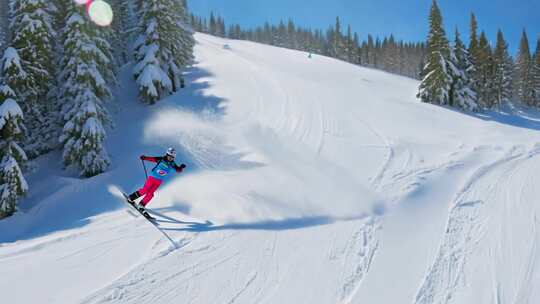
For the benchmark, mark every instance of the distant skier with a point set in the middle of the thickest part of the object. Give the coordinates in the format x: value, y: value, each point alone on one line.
x: 164, y: 166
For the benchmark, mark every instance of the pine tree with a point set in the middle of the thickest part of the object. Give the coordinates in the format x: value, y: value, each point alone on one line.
x: 291, y: 35
x: 503, y: 65
x: 474, y: 55
x: 524, y: 83
x: 461, y: 94
x: 370, y: 52
x: 212, y: 28
x: 473, y: 44
x: 338, y: 45
x: 182, y: 47
x: 13, y: 185
x: 436, y: 84
x: 164, y: 48
x: 4, y: 9
x: 536, y: 72
x: 34, y: 36
x: 85, y: 76
x: 485, y: 73
x: 220, y: 27
x: 13, y: 72
x: 390, y: 55
x: 122, y: 30
x: 12, y: 182
x: 280, y: 35
x: 349, y: 47
x: 357, y: 57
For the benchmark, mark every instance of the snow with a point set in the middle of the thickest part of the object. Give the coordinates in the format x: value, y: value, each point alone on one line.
x: 11, y: 58
x: 308, y: 181
x: 150, y: 73
x: 10, y: 165
x: 6, y: 90
x: 9, y: 109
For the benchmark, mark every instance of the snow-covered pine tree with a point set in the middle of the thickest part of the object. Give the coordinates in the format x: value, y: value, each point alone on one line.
x: 524, y: 83
x: 185, y: 16
x: 13, y: 74
x: 436, y: 83
x: 503, y: 65
x: 184, y: 44
x: 12, y: 182
x: 536, y: 72
x: 5, y: 91
x: 86, y: 68
x: 123, y: 30
x: 34, y: 39
x: 485, y: 73
x: 13, y: 185
x: 4, y: 24
x: 462, y: 94
x: 164, y: 48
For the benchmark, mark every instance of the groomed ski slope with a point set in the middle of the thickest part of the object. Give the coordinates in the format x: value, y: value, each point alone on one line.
x: 308, y: 181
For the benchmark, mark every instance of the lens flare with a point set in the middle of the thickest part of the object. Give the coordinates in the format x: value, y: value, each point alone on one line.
x: 83, y: 2
x: 100, y: 13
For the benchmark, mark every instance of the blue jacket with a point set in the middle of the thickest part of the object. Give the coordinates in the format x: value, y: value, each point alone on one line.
x: 163, y: 167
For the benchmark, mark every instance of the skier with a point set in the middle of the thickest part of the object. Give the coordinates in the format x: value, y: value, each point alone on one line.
x: 164, y: 166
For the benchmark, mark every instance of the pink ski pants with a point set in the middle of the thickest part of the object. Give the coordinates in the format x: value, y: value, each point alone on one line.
x: 150, y: 186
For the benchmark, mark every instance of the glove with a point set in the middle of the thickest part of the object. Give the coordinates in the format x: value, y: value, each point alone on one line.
x: 180, y: 168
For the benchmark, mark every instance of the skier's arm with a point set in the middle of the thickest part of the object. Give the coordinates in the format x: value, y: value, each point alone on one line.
x: 179, y: 168
x: 151, y: 158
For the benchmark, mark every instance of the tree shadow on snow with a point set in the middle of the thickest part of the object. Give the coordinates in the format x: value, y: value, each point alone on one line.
x: 56, y: 204
x: 193, y: 99
x: 512, y: 115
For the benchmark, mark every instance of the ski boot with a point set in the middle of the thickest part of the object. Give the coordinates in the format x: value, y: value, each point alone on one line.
x: 134, y: 196
x: 143, y: 211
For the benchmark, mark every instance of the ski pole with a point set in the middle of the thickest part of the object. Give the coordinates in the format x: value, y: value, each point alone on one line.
x: 144, y: 166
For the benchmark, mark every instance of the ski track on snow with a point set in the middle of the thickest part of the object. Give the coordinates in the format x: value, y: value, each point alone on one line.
x: 465, y: 230
x: 326, y: 263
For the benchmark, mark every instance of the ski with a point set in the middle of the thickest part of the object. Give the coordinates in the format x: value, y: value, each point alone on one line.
x: 149, y: 219
x: 146, y: 216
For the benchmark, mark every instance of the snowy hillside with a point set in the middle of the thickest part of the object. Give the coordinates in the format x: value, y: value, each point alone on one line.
x: 308, y: 181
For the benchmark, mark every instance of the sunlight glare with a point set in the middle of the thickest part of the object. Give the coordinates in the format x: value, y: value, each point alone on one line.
x: 100, y: 13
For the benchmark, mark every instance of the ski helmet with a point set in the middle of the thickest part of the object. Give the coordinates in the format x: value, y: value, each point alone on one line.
x: 171, y: 152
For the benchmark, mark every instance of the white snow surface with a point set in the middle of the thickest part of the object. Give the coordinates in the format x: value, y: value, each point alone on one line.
x: 308, y: 181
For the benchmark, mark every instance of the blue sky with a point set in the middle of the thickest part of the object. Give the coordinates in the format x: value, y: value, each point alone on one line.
x: 406, y: 19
